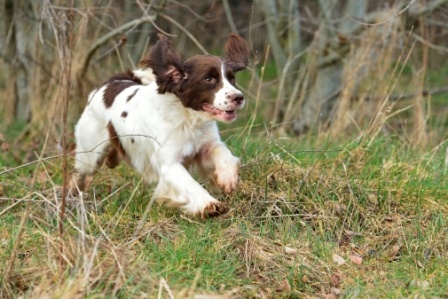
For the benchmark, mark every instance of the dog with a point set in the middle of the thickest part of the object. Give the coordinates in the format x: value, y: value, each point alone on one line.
x: 162, y: 119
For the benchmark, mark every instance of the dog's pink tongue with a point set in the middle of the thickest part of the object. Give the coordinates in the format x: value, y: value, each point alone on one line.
x: 229, y: 115
x: 221, y: 114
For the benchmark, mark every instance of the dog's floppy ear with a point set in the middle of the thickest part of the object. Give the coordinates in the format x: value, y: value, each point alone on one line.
x: 236, y: 52
x: 166, y: 65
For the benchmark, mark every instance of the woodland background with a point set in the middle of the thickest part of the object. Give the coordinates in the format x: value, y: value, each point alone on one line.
x: 326, y: 63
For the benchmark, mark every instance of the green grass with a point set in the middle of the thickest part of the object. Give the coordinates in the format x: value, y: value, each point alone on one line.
x: 296, y: 208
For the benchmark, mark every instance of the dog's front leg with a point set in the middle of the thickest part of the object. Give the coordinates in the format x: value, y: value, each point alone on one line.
x: 221, y: 166
x: 177, y: 186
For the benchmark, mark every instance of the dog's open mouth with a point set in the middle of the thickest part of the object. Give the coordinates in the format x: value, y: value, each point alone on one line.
x: 224, y: 115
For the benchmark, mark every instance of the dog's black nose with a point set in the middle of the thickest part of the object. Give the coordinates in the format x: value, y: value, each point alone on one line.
x: 238, y: 98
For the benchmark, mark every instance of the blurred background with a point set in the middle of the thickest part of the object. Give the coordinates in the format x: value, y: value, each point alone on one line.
x: 333, y: 67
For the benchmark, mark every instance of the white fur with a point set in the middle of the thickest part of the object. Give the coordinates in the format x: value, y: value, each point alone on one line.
x: 160, y: 136
x: 222, y: 101
x: 146, y: 75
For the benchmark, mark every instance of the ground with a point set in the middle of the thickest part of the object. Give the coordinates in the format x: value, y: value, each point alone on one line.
x: 312, y: 218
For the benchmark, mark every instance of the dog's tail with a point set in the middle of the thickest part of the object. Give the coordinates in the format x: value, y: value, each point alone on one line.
x: 145, y: 75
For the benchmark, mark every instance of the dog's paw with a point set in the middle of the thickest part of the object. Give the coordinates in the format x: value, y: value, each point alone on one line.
x: 214, y: 209
x: 227, y: 180
x: 79, y: 183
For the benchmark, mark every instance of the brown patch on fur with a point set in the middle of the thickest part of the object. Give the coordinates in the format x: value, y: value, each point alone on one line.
x: 124, y: 114
x: 113, y: 89
x: 166, y: 65
x: 194, y: 161
x: 128, y: 76
x: 199, y: 91
x: 237, y: 52
x: 131, y: 95
x: 116, y: 150
x: 112, y: 158
x: 117, y: 84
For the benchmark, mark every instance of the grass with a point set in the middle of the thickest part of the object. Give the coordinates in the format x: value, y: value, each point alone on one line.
x: 381, y: 209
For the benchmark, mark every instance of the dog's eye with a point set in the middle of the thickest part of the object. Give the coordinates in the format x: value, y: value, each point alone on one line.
x: 209, y: 79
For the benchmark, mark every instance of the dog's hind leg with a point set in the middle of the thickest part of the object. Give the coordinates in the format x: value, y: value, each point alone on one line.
x: 92, y: 143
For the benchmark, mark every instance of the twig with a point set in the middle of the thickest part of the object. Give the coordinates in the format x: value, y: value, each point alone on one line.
x: 188, y: 33
x: 446, y: 159
x: 191, y: 11
x: 120, y: 43
x: 60, y: 155
x: 67, y: 61
x: 429, y: 44
x: 306, y: 216
x: 145, y: 11
x: 427, y: 8
x: 14, y: 204
x: 110, y: 35
x: 251, y: 122
x: 164, y: 285
x: 396, y: 15
x: 289, y: 153
x: 396, y: 97
x: 229, y: 15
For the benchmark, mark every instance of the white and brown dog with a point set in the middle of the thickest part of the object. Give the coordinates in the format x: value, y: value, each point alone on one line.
x: 161, y: 119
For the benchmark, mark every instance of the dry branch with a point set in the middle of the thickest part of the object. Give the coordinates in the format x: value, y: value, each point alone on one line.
x: 396, y: 97
x: 188, y: 33
x: 105, y: 38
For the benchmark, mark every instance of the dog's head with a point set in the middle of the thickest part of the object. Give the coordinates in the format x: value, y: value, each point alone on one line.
x: 203, y: 82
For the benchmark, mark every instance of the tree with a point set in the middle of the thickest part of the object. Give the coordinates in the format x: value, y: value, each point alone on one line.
x: 316, y: 93
x: 17, y: 38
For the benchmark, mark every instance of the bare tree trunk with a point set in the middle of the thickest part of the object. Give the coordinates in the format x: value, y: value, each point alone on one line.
x: 6, y: 52
x: 283, y: 26
x: 420, y: 136
x: 330, y: 51
x: 16, y: 40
